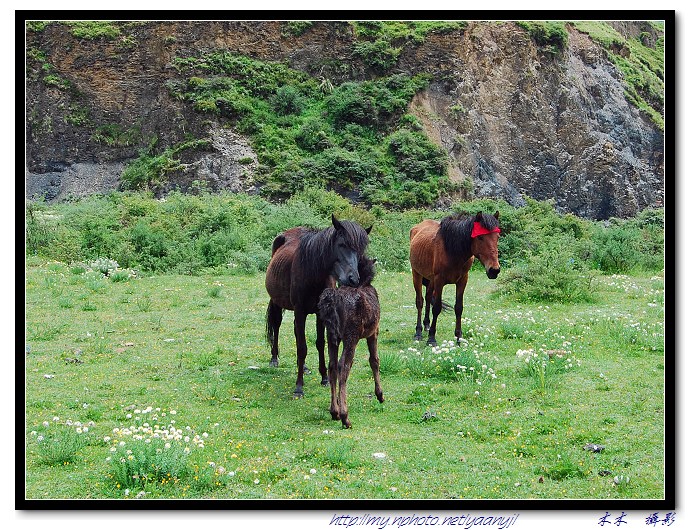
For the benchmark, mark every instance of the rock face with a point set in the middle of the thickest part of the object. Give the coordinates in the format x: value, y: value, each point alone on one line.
x: 514, y: 119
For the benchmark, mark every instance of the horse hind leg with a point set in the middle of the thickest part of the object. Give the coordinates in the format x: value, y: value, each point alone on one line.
x: 428, y: 299
x: 274, y: 317
x: 435, y: 311
x: 320, y: 347
x: 419, y: 302
x: 301, y: 341
x: 374, y: 362
x: 344, y: 367
x: 333, y: 346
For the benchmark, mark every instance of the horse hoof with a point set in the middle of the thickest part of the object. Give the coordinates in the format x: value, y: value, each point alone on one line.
x: 347, y: 424
x: 298, y: 394
x: 324, y: 381
x: 273, y: 363
x: 307, y: 371
x: 418, y: 337
x: 431, y: 342
x: 379, y: 397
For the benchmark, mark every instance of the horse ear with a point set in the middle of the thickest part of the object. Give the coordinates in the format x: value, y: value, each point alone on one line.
x: 496, y: 214
x: 368, y: 230
x: 478, y: 218
x: 336, y: 223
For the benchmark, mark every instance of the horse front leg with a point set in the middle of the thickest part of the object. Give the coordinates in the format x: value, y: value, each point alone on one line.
x: 435, y: 311
x: 344, y: 367
x: 417, y: 282
x: 320, y: 343
x: 374, y: 362
x: 333, y: 346
x: 459, y: 293
x: 301, y: 341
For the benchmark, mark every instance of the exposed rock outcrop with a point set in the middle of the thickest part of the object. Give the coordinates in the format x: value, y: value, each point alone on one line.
x: 515, y: 119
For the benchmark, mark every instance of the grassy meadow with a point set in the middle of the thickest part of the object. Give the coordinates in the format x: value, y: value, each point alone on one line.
x: 158, y: 386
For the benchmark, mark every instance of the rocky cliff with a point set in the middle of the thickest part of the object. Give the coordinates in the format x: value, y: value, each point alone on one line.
x: 517, y: 115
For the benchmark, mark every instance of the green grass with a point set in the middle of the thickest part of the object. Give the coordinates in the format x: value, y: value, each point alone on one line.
x: 168, y: 342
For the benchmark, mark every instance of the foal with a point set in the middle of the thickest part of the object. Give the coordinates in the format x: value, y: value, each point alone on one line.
x: 351, y: 314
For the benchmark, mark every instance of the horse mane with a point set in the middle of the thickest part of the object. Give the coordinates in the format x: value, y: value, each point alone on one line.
x: 316, y: 247
x: 456, y: 231
x: 366, y: 271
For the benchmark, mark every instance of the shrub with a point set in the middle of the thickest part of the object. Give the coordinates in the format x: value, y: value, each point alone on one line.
x: 416, y: 156
x: 295, y: 28
x: 545, y: 255
x: 551, y: 274
x: 94, y: 29
x: 314, y: 135
x: 114, y: 135
x: 379, y: 53
x: 621, y: 248
x: 150, y: 169
x: 288, y: 100
x: 549, y: 34
x: 373, y: 103
x: 150, y: 246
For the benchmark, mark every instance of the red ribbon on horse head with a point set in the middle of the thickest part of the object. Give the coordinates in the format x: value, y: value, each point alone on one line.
x: 479, y: 230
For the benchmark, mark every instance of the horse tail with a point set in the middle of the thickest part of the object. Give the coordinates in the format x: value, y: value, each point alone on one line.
x: 328, y: 311
x: 278, y: 242
x: 274, y: 315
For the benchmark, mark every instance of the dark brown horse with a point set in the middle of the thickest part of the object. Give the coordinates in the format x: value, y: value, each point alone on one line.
x: 351, y: 314
x: 442, y: 253
x: 304, y: 262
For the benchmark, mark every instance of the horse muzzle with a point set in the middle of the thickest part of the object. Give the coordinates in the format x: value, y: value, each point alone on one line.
x: 351, y: 280
x: 492, y: 273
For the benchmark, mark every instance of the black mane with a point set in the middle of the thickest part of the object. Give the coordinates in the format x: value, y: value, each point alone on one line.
x: 316, y: 247
x: 366, y: 271
x: 456, y: 232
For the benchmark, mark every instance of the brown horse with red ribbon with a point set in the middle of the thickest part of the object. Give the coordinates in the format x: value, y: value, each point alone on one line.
x: 442, y: 253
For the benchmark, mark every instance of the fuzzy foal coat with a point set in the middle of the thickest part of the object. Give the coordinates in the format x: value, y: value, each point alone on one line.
x: 350, y: 314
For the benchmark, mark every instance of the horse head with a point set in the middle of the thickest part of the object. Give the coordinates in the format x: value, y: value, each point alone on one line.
x: 349, y: 243
x: 485, y: 243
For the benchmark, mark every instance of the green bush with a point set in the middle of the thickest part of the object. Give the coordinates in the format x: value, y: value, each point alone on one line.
x: 314, y: 135
x: 288, y: 100
x: 379, y: 53
x: 295, y: 28
x: 550, y: 34
x: 544, y: 255
x: 150, y: 170
x: 552, y: 274
x: 94, y: 29
x: 616, y: 249
x: 416, y: 156
x: 373, y: 103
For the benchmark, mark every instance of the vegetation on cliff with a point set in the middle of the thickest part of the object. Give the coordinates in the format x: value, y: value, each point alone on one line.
x: 354, y: 137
